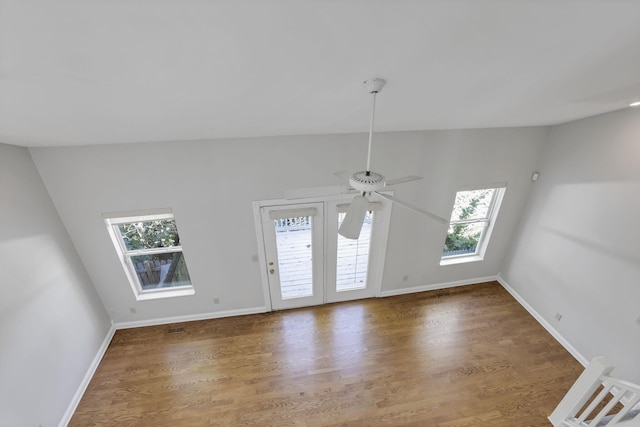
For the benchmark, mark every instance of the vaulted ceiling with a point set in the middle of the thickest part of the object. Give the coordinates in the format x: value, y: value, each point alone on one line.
x: 116, y: 71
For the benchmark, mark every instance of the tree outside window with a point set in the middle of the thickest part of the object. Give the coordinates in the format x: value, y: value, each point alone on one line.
x: 473, y: 211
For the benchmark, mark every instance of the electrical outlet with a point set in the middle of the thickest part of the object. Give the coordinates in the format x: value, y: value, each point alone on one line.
x: 132, y: 310
x: 638, y: 320
x: 558, y: 316
x: 254, y: 258
x: 216, y: 300
x: 405, y: 278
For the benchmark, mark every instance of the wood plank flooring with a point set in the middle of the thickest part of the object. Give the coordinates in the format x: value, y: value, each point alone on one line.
x: 466, y: 356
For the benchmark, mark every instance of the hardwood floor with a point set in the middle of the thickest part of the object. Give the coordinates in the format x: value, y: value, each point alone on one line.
x: 467, y: 356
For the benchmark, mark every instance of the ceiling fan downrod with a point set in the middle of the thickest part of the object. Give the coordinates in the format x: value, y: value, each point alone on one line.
x: 373, y: 86
x: 368, y: 181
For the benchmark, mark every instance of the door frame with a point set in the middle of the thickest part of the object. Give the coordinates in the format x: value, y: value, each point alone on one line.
x: 378, y: 248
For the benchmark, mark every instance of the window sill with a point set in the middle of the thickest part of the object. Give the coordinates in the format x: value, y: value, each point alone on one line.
x: 460, y: 260
x: 148, y: 295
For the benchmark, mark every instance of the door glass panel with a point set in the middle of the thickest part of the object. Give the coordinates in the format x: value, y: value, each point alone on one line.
x: 353, y: 257
x: 293, y: 244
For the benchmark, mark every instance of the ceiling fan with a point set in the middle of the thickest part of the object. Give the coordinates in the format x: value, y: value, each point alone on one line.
x: 367, y: 182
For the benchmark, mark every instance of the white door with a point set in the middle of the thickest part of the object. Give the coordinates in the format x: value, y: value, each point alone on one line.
x: 307, y: 263
x: 294, y: 252
x: 354, y: 268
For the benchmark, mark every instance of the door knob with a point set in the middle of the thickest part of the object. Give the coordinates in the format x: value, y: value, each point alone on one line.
x: 271, y: 270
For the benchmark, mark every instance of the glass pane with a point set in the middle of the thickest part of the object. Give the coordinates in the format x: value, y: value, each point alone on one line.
x: 472, y: 204
x: 293, y: 244
x: 353, y: 257
x: 462, y: 239
x: 161, y: 270
x: 150, y: 234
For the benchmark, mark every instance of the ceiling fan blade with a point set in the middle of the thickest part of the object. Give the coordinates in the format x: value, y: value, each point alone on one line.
x: 353, y: 220
x: 414, y: 208
x: 303, y: 193
x: 401, y: 180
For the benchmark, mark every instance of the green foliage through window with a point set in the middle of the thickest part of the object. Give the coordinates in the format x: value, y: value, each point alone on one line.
x: 150, y: 234
x: 469, y: 216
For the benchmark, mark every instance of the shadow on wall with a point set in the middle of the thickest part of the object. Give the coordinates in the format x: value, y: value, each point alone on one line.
x: 601, y: 216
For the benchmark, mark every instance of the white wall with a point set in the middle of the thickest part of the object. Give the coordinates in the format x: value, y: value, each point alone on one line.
x: 52, y: 322
x: 210, y: 186
x: 578, y: 251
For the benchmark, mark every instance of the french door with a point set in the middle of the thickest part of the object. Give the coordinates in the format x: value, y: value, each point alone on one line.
x: 293, y: 244
x: 305, y: 261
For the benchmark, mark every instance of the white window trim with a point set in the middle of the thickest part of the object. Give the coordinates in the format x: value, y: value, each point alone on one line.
x: 490, y: 220
x: 112, y: 220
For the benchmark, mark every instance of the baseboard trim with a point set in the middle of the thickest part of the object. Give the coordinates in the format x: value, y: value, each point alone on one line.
x: 66, y: 418
x: 437, y: 286
x: 545, y: 324
x: 190, y: 317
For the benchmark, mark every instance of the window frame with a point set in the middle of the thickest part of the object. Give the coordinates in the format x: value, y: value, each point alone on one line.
x: 489, y: 221
x: 112, y: 221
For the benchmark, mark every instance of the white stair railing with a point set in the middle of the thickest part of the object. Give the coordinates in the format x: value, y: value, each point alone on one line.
x: 613, y: 402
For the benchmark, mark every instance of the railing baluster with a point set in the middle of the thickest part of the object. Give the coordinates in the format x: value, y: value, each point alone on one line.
x: 579, y: 393
x: 625, y: 410
x: 603, y: 413
x: 614, y: 393
x: 595, y: 403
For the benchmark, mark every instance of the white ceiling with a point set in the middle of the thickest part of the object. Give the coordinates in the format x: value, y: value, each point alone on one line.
x: 114, y: 71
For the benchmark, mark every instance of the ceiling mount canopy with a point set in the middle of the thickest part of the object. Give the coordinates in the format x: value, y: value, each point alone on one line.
x: 374, y: 85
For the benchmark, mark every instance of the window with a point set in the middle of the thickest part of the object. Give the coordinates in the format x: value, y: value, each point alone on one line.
x: 148, y: 245
x: 472, y: 218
